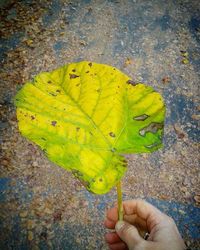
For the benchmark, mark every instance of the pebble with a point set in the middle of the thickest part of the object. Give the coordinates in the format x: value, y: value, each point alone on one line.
x: 30, y: 224
x: 23, y: 214
x: 48, y: 211
x: 35, y: 164
x: 181, y: 211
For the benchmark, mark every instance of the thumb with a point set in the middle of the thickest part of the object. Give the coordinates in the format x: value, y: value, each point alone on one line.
x: 128, y: 233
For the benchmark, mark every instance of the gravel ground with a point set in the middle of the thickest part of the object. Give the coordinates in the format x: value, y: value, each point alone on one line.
x: 156, y: 42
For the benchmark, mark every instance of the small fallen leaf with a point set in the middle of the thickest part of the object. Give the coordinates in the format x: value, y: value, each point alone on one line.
x: 83, y: 43
x: 30, y: 235
x: 128, y: 62
x: 197, y: 198
x: 184, y: 53
x: 185, y: 61
x: 29, y: 42
x: 179, y: 132
x: 196, y: 117
x: 166, y: 80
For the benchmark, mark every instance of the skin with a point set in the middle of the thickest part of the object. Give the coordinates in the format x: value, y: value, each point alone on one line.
x: 141, y: 217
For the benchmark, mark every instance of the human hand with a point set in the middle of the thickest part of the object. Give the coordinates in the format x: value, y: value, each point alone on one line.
x: 140, y: 217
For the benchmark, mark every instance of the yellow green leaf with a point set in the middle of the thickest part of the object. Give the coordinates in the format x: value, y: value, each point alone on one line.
x: 85, y: 115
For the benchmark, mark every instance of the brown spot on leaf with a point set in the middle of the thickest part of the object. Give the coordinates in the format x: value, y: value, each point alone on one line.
x: 113, y: 150
x: 87, y: 71
x: 100, y: 179
x: 77, y: 173
x: 152, y: 145
x: 124, y: 162
x: 32, y: 117
x: 53, y: 94
x: 53, y: 123
x: 49, y: 82
x: 90, y: 64
x: 85, y: 183
x: 133, y: 83
x: 58, y: 90
x: 141, y: 117
x: 77, y: 128
x: 152, y: 127
x: 112, y: 134
x: 73, y: 70
x: 73, y: 76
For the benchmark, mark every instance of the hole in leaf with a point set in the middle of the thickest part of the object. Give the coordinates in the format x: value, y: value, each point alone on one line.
x: 112, y: 134
x: 141, y: 117
x: 73, y: 76
x: 132, y: 82
x: 152, y: 127
x: 53, y: 123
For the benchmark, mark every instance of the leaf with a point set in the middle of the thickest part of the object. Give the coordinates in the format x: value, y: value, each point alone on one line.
x: 85, y: 115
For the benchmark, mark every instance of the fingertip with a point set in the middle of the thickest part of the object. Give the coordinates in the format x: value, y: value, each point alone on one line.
x: 118, y: 246
x: 112, y: 214
x: 112, y: 238
x: 109, y: 224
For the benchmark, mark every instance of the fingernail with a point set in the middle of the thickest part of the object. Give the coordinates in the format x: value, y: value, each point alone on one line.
x: 119, y: 225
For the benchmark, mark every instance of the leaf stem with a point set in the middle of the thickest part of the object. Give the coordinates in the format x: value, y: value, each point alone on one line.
x: 119, y: 199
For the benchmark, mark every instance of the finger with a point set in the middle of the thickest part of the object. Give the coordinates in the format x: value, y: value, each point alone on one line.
x: 109, y: 224
x: 128, y: 233
x: 136, y: 221
x: 118, y: 246
x: 145, y: 211
x: 112, y: 238
x: 139, y: 207
x: 112, y: 214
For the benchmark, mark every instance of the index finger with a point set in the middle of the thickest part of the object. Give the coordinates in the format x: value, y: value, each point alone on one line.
x: 140, y: 207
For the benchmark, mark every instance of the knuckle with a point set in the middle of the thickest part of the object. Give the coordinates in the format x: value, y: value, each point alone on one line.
x: 127, y: 229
